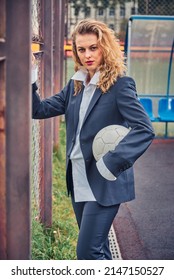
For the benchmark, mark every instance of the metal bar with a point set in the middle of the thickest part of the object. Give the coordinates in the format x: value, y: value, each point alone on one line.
x: 46, y: 187
x: 154, y: 95
x: 149, y: 17
x: 59, y: 30
x: 2, y: 18
x: 2, y: 48
x: 3, y: 230
x: 128, y: 45
x: 169, y: 70
x: 166, y: 130
x: 3, y: 227
x: 18, y: 129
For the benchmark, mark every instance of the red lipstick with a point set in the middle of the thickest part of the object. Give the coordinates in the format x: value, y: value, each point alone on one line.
x: 89, y: 62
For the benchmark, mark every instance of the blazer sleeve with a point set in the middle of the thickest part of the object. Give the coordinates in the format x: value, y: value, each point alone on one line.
x: 141, y: 133
x: 49, y: 107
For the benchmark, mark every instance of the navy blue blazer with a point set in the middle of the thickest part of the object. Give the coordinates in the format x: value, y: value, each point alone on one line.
x: 120, y: 106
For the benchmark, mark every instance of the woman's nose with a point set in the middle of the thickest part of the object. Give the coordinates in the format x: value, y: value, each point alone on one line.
x: 88, y: 53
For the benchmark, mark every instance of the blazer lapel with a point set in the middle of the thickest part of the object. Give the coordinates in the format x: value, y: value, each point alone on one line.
x: 78, y: 100
x: 96, y: 96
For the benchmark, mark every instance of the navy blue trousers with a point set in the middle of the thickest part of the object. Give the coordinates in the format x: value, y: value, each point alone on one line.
x: 94, y: 222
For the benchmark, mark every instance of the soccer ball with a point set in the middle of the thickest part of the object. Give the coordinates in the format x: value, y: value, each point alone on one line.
x: 107, y: 139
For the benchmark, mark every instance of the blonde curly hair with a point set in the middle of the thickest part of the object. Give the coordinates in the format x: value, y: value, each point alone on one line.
x: 113, y: 64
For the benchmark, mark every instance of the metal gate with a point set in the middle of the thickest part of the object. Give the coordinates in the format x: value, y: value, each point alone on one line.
x: 17, y: 154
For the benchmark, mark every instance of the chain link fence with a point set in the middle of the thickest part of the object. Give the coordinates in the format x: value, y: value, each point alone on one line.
x: 36, y: 124
x: 47, y: 20
x: 116, y: 12
x: 155, y: 7
x: 36, y: 19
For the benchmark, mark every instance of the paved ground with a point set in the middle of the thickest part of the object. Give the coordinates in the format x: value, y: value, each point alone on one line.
x: 145, y: 227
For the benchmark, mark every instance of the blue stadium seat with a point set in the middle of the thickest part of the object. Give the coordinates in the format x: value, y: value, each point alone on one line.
x: 166, y: 109
x: 147, y: 104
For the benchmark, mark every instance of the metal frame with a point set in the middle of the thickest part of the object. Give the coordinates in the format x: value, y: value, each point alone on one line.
x: 169, y: 70
x: 15, y: 119
x: 153, y: 17
x: 46, y: 125
x: 3, y: 228
x: 52, y: 80
x: 128, y: 35
x: 58, y: 54
x: 127, y: 52
x: 15, y: 143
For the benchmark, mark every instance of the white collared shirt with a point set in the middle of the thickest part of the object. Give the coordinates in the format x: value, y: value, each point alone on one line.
x: 82, y: 190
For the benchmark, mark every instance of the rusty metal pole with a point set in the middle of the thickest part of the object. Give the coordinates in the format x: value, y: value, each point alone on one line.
x: 3, y: 228
x: 58, y: 54
x: 17, y: 130
x: 47, y: 90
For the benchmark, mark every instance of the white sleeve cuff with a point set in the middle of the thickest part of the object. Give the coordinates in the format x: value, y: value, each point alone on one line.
x: 34, y: 74
x: 104, y: 171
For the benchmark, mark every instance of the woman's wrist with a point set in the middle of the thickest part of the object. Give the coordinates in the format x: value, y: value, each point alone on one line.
x: 34, y: 73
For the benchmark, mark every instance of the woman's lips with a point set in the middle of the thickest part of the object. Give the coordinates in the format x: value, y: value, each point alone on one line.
x: 90, y: 62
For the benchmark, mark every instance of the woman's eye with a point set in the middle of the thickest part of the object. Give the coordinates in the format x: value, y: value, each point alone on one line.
x: 93, y: 48
x: 81, y: 50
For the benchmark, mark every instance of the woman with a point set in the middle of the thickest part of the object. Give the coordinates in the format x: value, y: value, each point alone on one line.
x: 99, y: 94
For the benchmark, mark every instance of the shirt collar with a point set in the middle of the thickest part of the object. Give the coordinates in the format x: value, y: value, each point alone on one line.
x: 81, y: 75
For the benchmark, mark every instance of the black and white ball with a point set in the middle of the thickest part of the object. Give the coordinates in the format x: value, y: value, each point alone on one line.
x: 107, y: 139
